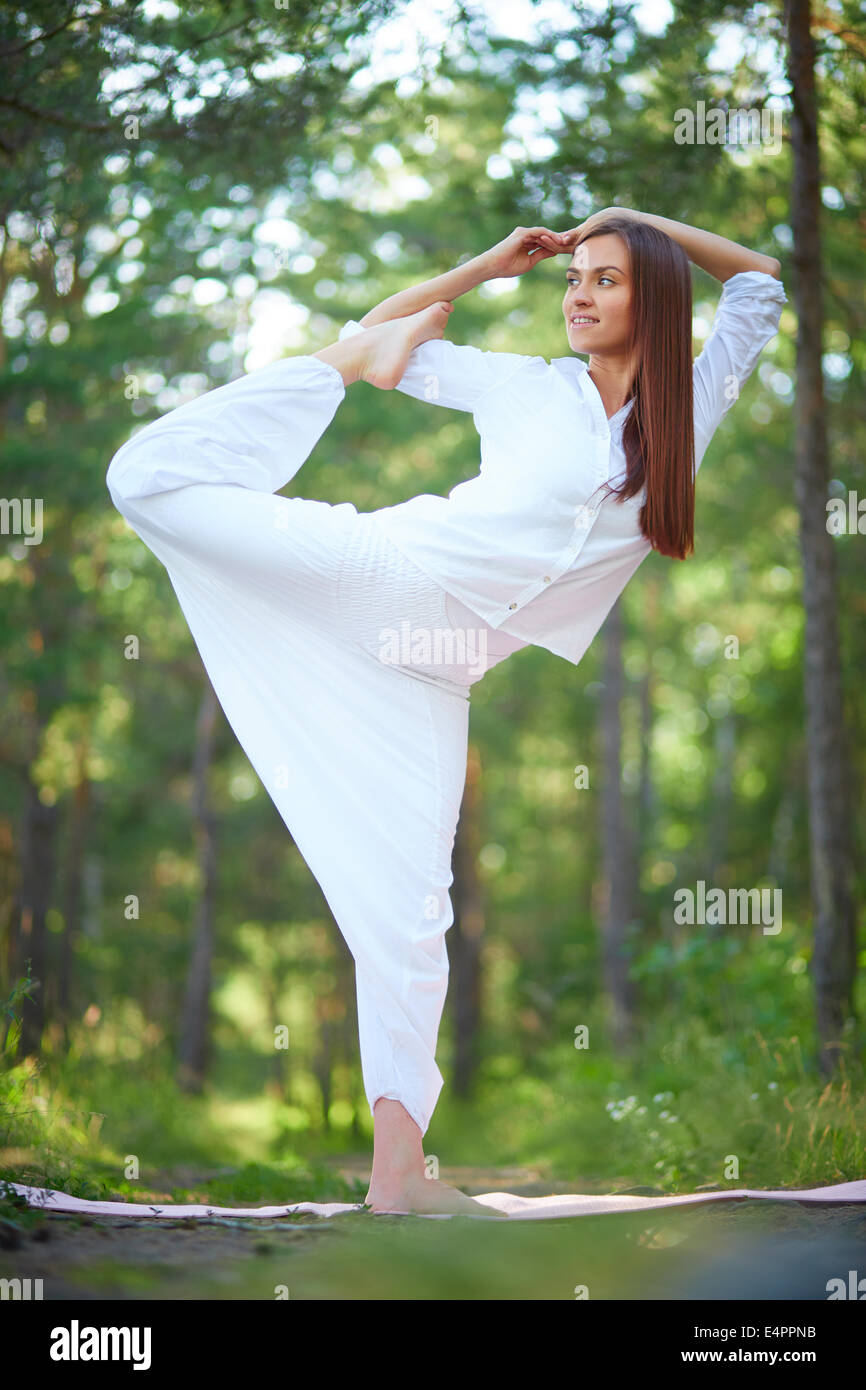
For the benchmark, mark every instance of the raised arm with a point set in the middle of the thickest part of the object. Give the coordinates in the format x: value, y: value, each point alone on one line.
x: 515, y: 255
x: 715, y: 254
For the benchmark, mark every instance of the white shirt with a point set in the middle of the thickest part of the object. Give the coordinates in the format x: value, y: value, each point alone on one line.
x: 531, y: 543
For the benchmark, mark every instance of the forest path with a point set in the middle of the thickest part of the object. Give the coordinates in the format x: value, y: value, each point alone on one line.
x: 725, y: 1250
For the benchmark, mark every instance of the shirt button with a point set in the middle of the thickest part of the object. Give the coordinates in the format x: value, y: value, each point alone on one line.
x: 546, y: 579
x: 512, y: 605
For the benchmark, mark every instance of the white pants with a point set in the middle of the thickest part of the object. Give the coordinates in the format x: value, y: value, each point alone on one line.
x: 360, y: 741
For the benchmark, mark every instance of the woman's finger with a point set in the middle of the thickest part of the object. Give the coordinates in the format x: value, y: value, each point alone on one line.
x: 557, y: 241
x: 537, y: 233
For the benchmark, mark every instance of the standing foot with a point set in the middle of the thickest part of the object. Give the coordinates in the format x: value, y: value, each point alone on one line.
x: 399, y: 1181
x: 421, y: 1196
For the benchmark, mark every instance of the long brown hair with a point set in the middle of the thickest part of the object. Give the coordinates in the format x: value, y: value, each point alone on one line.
x: 658, y: 437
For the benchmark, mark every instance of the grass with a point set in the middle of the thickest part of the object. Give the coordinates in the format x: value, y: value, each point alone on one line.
x: 693, y: 1108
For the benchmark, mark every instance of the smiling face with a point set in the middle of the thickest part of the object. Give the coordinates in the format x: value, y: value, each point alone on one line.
x: 597, y: 302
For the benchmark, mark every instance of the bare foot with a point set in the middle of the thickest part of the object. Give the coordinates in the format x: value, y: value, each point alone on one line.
x: 386, y: 346
x: 417, y: 1195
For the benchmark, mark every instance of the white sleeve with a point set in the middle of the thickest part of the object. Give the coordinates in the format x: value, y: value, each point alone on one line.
x: 445, y: 373
x: 746, y: 318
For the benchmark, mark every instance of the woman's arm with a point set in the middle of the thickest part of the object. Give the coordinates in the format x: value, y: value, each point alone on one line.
x: 517, y: 254
x: 715, y: 254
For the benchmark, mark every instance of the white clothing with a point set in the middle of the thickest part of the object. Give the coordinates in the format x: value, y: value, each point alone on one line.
x: 361, y: 743
x: 531, y: 543
x: 397, y: 612
x: 365, y: 760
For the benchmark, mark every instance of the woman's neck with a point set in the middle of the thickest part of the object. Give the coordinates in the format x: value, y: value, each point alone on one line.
x: 613, y: 378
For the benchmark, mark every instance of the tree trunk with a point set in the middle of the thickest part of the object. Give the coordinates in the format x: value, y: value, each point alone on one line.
x: 618, y: 859
x: 37, y: 874
x: 829, y: 792
x: 345, y: 1028
x: 72, y: 895
x: 194, y: 1052
x: 467, y: 933
x: 646, y: 797
x: 645, y: 793
x: 329, y: 1012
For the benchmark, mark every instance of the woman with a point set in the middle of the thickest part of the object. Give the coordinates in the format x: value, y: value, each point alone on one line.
x: 343, y: 645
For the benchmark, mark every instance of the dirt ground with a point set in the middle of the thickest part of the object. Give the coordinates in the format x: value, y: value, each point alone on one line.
x: 736, y: 1249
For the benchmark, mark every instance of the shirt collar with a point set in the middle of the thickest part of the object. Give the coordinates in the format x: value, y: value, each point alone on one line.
x: 575, y: 369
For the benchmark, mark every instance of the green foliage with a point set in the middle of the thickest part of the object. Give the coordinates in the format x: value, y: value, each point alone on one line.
x: 10, y: 1012
x: 17, y: 1217
x: 267, y: 1184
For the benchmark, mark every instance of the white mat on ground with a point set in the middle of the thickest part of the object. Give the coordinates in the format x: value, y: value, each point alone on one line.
x: 519, y: 1208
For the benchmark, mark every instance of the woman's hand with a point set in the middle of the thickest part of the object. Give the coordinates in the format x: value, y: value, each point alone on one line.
x: 715, y: 254
x: 594, y: 218
x: 523, y: 249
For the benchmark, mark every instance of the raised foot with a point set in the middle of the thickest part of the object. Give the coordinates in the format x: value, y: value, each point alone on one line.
x: 422, y: 1196
x: 388, y: 345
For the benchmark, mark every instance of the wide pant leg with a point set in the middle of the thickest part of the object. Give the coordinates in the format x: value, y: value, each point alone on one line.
x: 365, y: 763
